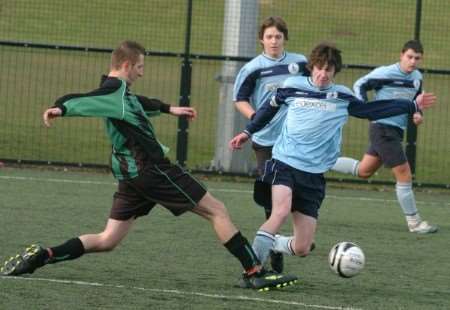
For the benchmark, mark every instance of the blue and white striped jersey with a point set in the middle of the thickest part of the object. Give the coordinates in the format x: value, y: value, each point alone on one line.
x: 390, y: 82
x: 258, y: 80
x: 311, y: 135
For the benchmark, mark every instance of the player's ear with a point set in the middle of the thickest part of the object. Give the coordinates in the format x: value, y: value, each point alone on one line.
x: 126, y: 65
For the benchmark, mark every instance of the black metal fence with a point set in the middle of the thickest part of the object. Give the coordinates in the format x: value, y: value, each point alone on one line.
x: 52, y: 47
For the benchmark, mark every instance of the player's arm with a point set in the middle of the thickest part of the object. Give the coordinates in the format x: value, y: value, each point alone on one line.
x: 153, y: 106
x: 367, y: 83
x: 417, y: 118
x: 390, y: 107
x: 244, y: 87
x: 106, y: 101
x: 261, y: 118
x: 245, y: 108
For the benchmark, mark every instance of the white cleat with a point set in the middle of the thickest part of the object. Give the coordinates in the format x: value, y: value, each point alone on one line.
x: 423, y: 228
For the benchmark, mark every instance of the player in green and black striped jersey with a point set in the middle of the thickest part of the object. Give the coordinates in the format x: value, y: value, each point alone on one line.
x: 145, y: 176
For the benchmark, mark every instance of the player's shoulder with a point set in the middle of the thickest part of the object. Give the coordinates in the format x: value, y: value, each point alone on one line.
x: 382, y: 71
x: 417, y: 75
x: 296, y: 81
x: 342, y: 89
x: 296, y: 57
x: 253, y: 65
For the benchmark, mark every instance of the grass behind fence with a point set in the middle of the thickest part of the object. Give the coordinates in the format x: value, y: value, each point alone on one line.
x: 34, y: 78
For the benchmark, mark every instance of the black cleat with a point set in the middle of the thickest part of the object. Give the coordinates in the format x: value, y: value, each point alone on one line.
x: 277, y: 261
x: 32, y: 258
x: 266, y: 280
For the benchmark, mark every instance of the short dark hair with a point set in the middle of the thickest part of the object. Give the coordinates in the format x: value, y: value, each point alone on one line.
x: 126, y: 51
x: 274, y: 21
x: 325, y: 54
x: 414, y: 45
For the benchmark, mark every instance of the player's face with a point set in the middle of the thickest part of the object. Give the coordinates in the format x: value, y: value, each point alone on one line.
x: 410, y: 60
x: 136, y: 70
x: 322, y: 76
x: 273, y: 42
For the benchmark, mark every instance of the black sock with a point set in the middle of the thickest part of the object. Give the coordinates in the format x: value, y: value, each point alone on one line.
x: 242, y: 250
x: 71, y: 249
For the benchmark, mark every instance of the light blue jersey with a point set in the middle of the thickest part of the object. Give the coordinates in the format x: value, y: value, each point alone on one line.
x: 390, y: 82
x: 257, y: 81
x: 311, y: 135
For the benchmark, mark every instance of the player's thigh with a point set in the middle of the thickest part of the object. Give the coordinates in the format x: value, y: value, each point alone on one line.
x: 281, y: 200
x: 210, y: 206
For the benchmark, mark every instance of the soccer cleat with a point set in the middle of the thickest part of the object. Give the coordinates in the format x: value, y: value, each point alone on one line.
x: 277, y: 261
x: 32, y: 258
x: 266, y: 280
x: 423, y: 227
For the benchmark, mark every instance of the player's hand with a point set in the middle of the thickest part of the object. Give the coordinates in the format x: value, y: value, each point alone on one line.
x: 50, y: 114
x: 237, y: 142
x: 189, y: 112
x: 417, y: 118
x: 426, y: 100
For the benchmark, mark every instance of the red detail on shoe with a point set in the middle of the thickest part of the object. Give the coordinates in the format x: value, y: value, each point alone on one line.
x: 253, y: 270
x: 50, y: 253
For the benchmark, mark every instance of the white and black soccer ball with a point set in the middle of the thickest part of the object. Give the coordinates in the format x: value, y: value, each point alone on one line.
x: 346, y: 259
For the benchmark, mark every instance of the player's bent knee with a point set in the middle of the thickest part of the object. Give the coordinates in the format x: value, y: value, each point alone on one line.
x: 211, y: 208
x: 302, y: 250
x: 365, y: 174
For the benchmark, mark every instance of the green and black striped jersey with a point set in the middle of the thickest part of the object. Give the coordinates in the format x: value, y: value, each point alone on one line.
x: 134, y: 144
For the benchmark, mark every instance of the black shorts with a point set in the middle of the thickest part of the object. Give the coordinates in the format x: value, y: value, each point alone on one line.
x: 386, y: 143
x: 262, y: 154
x: 308, y: 189
x: 167, y: 184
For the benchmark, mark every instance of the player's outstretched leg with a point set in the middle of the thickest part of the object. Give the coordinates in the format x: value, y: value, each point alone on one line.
x: 33, y: 257
x: 263, y: 280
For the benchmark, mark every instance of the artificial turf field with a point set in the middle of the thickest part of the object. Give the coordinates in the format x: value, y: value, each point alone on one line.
x: 176, y: 263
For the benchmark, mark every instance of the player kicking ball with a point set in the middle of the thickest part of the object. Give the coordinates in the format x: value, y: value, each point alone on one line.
x: 145, y: 176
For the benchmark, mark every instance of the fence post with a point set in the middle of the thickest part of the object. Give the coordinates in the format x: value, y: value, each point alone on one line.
x: 185, y: 91
x: 411, y: 134
x: 239, y: 39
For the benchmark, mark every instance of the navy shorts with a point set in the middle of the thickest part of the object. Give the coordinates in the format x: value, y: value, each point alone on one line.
x: 262, y: 154
x: 386, y: 143
x: 166, y: 184
x: 308, y: 189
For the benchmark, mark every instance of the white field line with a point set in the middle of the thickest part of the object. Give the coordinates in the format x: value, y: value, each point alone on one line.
x: 183, y: 293
x: 223, y: 190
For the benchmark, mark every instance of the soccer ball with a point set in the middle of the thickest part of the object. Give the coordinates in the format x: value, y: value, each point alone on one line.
x: 346, y: 259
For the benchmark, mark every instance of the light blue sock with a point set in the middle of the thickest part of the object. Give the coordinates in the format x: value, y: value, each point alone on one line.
x: 405, y: 197
x: 346, y: 165
x: 283, y: 244
x: 262, y: 245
